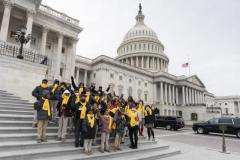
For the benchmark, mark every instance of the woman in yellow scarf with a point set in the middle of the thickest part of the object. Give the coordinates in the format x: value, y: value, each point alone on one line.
x: 149, y: 121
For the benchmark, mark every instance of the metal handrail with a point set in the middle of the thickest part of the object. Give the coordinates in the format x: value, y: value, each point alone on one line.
x: 33, y: 56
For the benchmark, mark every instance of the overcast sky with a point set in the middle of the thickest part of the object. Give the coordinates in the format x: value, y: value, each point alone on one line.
x: 205, y: 31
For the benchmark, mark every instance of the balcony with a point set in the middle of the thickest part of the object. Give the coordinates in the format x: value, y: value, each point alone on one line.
x: 11, y: 50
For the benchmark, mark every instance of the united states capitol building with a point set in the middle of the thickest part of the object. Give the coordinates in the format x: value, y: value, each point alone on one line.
x: 140, y: 68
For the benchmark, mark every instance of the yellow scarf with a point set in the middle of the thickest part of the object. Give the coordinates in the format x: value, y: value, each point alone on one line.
x: 96, y: 98
x: 54, y: 88
x: 110, y: 121
x: 90, y: 118
x: 83, y: 111
x: 46, y: 106
x: 80, y: 90
x: 140, y: 109
x: 127, y: 109
x: 147, y: 112
x: 65, y: 99
x: 87, y: 97
x: 77, y: 99
x: 44, y: 85
x: 133, y: 117
x: 114, y: 110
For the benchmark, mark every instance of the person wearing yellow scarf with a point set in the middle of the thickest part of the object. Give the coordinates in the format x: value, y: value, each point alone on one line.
x: 140, y: 110
x: 65, y: 115
x: 133, y: 127
x: 54, y: 88
x: 89, y: 130
x: 83, y: 110
x: 149, y: 121
x: 42, y: 116
x: 91, y: 120
x: 80, y: 90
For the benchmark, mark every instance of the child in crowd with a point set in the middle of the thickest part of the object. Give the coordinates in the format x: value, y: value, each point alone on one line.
x: 89, y: 129
x: 120, y: 121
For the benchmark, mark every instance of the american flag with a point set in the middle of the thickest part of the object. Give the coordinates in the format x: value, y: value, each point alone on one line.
x: 185, y: 65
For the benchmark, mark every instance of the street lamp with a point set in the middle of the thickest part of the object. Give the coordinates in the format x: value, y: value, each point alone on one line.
x: 23, y: 39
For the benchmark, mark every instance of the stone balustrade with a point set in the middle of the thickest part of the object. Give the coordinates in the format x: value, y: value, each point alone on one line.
x: 58, y: 14
x: 12, y: 50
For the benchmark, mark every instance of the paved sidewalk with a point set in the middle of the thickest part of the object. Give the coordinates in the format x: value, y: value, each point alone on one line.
x: 190, y: 152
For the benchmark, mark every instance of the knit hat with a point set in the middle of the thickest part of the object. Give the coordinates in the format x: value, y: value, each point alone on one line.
x: 66, y: 92
x: 44, y: 81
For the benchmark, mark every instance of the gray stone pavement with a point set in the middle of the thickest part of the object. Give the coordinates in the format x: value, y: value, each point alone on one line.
x: 198, y: 147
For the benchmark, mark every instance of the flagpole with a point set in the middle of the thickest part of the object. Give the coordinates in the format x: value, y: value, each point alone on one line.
x: 189, y: 73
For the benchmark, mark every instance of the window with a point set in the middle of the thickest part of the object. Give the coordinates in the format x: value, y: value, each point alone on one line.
x: 145, y: 97
x: 130, y: 80
x: 225, y: 120
x: 63, y: 50
x: 139, y: 46
x: 112, y: 75
x: 94, y: 75
x: 61, y: 72
x: 226, y: 110
x: 49, y: 46
x: 180, y: 113
x: 169, y: 112
x: 144, y: 46
x: 135, y: 46
x: 130, y: 91
x: 165, y: 112
x: 194, y: 116
x: 120, y: 77
x: 145, y: 84
x: 225, y: 104
x: 139, y: 83
x: 213, y: 121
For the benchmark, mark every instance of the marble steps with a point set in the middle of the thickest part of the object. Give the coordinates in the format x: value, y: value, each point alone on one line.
x: 15, y: 103
x: 15, y: 117
x: 56, y: 150
x: 10, y: 99
x: 151, y: 152
x: 16, y: 112
x: 13, y: 108
x: 22, y: 130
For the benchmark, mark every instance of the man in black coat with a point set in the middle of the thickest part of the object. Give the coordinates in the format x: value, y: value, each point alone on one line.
x: 38, y: 94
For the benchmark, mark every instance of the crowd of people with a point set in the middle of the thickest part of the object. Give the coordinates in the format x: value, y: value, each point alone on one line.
x: 87, y: 111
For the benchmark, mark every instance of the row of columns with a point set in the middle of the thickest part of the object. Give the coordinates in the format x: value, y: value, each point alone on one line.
x: 169, y: 94
x: 191, y: 96
x: 154, y: 63
x: 29, y: 24
x: 78, y: 75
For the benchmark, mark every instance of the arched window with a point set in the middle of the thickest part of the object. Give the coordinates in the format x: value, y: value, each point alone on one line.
x: 194, y: 116
x: 165, y: 112
x: 139, y: 46
x: 148, y: 46
x: 173, y: 113
x: 135, y: 46
x: 180, y: 113
x: 144, y: 46
x: 169, y: 112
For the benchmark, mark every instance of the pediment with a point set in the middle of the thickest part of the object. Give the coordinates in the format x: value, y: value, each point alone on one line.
x: 194, y: 79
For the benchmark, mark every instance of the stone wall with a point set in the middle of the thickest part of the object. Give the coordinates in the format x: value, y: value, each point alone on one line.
x: 20, y: 77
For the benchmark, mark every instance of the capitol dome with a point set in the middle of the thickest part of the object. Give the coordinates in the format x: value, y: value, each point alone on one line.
x: 142, y: 48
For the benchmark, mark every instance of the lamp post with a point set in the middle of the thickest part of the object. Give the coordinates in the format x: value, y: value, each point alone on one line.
x: 21, y: 37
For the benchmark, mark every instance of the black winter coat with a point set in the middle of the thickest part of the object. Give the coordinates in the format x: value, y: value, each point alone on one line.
x: 41, y: 114
x: 69, y: 108
x: 88, y: 132
x: 38, y: 92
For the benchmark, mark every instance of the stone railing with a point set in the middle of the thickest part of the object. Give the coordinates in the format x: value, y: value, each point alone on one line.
x: 11, y: 50
x: 58, y: 14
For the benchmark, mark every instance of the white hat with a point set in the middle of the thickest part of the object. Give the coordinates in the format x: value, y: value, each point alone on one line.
x: 66, y: 92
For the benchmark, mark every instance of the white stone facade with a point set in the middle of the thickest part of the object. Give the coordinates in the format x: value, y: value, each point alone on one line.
x: 139, y: 70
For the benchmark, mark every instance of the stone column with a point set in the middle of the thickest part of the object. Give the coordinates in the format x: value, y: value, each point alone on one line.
x: 153, y: 63
x: 71, y: 59
x: 170, y: 93
x: 132, y: 63
x: 173, y: 95
x: 183, y: 95
x: 142, y: 62
x: 58, y: 56
x: 77, y: 75
x: 85, y: 78
x: 44, y: 40
x: 177, y: 96
x: 187, y: 98
x: 5, y: 20
x: 161, y: 92
x: 165, y: 95
x: 29, y: 25
x: 195, y: 96
x: 190, y: 96
x: 155, y: 99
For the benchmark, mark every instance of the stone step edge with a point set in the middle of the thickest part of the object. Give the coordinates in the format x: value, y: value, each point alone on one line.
x: 45, y: 151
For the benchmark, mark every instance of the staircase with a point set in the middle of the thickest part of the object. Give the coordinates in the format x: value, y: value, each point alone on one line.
x: 18, y: 138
